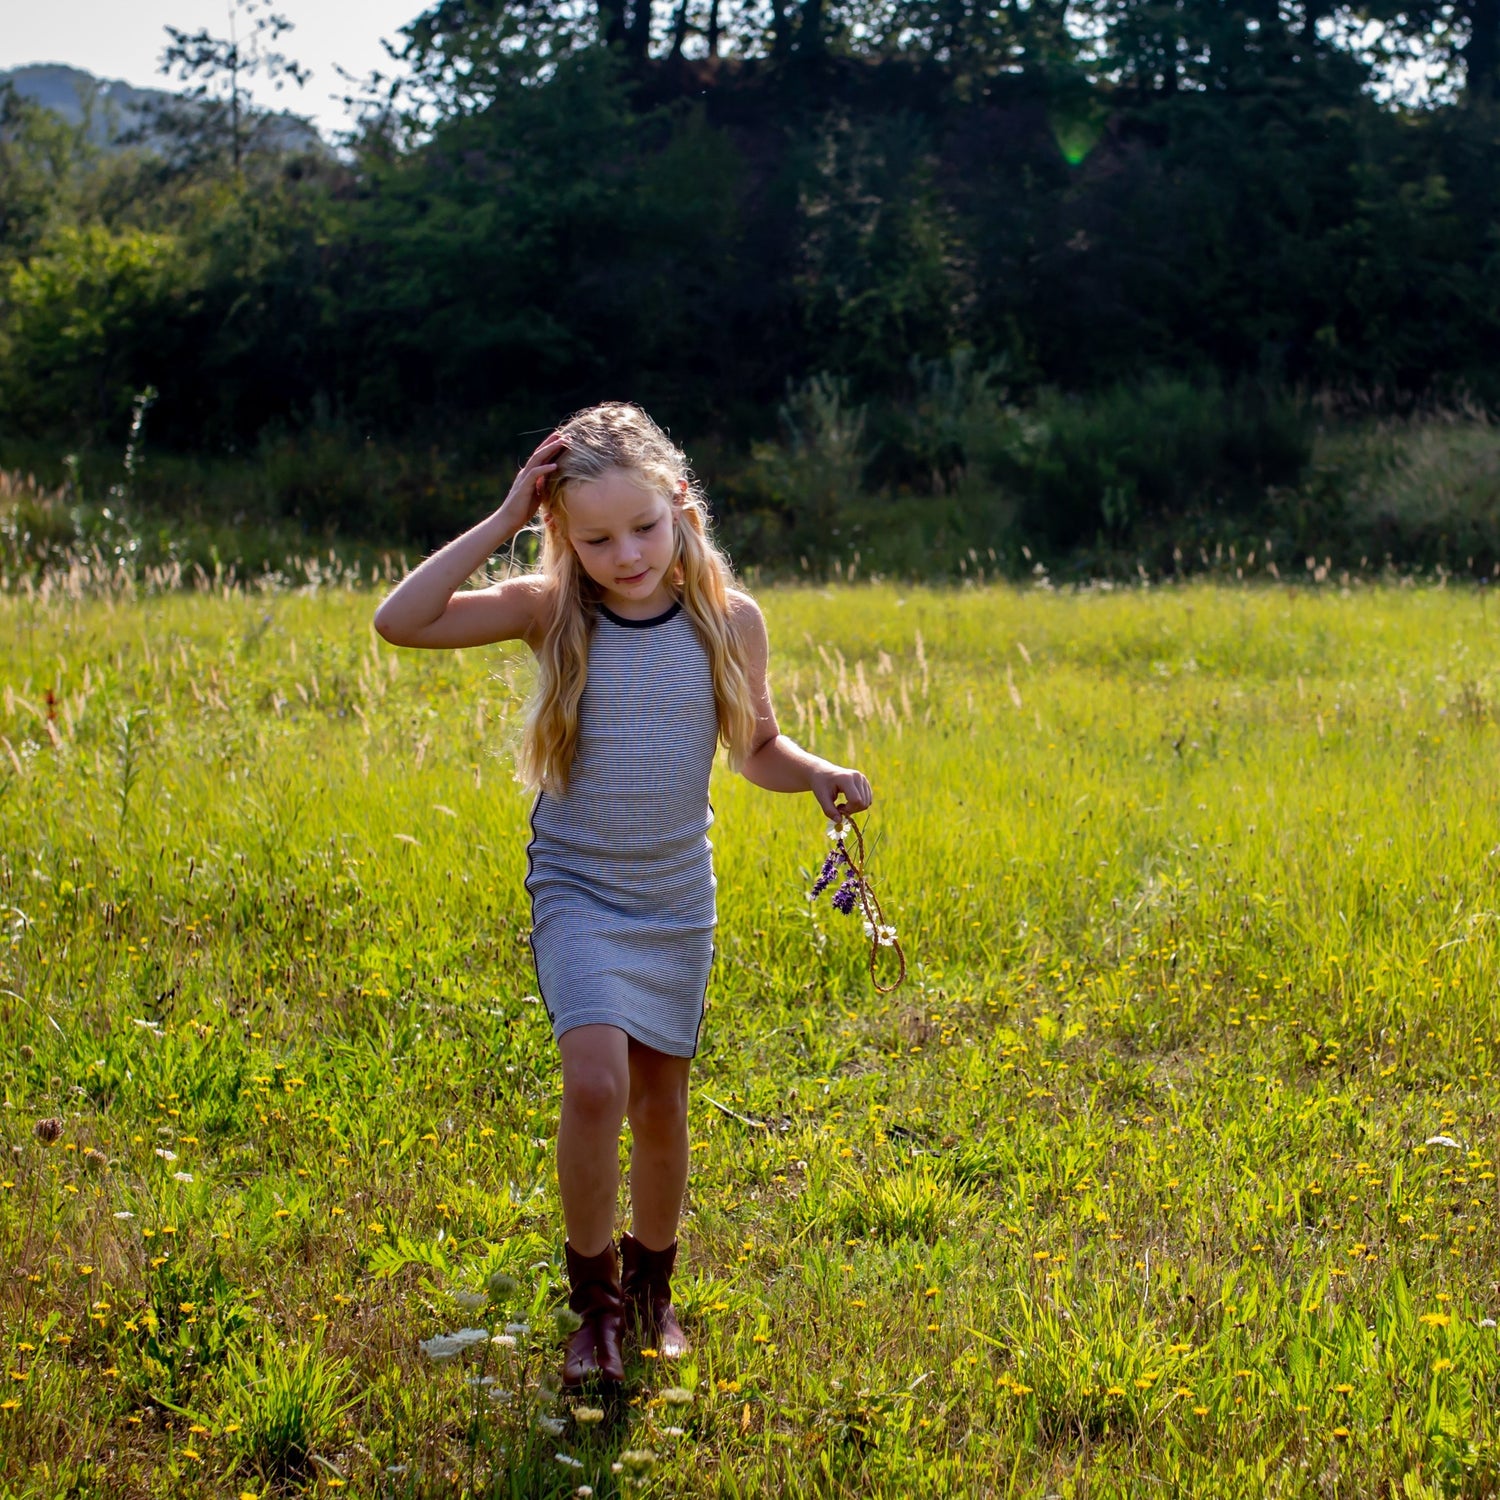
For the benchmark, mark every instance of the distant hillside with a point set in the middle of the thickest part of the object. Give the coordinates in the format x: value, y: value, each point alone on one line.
x: 115, y: 109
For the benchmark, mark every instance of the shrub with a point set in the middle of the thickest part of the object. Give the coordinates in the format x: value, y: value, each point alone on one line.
x: 1424, y: 489
x: 1139, y: 452
x: 84, y: 325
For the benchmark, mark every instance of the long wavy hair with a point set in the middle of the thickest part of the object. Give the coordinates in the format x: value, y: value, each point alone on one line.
x: 617, y: 436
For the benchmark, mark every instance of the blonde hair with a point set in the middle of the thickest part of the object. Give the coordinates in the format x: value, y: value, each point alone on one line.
x: 617, y: 436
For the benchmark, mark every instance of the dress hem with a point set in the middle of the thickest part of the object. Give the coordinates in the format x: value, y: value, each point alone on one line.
x: 645, y: 1037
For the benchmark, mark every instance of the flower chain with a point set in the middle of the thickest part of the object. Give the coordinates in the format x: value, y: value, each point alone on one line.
x: 855, y: 890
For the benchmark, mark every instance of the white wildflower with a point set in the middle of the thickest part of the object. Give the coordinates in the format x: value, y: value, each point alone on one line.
x: 677, y: 1396
x: 1443, y: 1140
x: 166, y: 1155
x: 568, y: 1461
x: 552, y: 1426
x: 183, y: 1176
x: 445, y: 1345
x: 505, y: 1340
x: 588, y: 1414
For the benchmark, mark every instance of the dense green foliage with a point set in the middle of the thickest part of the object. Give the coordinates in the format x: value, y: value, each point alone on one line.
x: 1169, y: 1171
x: 1182, y: 217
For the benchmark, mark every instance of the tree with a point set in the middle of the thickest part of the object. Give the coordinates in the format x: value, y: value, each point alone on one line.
x: 219, y: 71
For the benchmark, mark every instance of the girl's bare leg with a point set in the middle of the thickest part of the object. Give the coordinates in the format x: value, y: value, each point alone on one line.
x: 596, y: 1091
x: 658, y: 1112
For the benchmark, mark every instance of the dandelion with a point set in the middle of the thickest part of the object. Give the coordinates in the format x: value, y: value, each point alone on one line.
x: 1435, y: 1320
x: 1341, y: 1433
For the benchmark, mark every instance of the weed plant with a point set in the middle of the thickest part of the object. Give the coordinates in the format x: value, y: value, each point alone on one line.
x: 1170, y: 1170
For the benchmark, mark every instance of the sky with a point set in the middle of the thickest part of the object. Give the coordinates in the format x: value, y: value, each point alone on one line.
x: 124, y: 39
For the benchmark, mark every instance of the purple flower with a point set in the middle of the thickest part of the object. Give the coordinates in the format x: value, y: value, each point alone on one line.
x: 829, y: 873
x: 846, y: 895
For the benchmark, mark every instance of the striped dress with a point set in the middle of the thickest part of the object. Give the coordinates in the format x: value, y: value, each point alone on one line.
x: 619, y: 867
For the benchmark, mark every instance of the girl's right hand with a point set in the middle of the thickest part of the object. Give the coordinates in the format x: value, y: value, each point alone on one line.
x: 525, y: 495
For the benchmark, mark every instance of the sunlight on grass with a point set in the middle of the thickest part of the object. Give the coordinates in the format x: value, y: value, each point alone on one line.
x: 1167, y: 1171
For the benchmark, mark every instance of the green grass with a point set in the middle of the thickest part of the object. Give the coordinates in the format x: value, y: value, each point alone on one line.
x: 1127, y: 1192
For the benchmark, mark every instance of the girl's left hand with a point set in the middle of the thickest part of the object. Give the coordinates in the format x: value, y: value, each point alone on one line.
x: 839, y: 782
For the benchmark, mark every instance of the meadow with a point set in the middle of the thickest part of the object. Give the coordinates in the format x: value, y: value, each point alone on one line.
x: 1167, y: 1172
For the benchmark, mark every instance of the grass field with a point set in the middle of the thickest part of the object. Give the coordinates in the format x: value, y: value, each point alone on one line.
x: 1170, y: 1171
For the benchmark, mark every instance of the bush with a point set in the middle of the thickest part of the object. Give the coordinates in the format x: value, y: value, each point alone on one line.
x: 84, y: 327
x: 1100, y: 465
x: 1422, y: 490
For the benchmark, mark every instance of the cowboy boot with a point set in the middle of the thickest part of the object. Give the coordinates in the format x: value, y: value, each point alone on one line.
x: 646, y: 1281
x: 594, y: 1347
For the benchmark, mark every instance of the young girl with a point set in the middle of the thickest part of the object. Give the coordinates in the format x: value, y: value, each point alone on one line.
x: 648, y: 660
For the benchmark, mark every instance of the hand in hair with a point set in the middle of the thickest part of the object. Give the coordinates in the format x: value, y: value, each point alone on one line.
x: 430, y: 606
x: 525, y: 494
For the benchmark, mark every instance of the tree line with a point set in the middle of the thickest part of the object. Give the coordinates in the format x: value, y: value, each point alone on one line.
x: 705, y: 203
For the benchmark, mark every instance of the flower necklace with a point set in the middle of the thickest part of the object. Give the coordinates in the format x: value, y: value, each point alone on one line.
x: 855, y: 890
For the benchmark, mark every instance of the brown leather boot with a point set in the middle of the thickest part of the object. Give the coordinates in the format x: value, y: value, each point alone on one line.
x: 594, y: 1348
x: 646, y: 1280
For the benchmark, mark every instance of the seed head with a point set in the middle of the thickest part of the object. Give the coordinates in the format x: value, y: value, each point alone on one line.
x: 49, y: 1130
x: 28, y: 1052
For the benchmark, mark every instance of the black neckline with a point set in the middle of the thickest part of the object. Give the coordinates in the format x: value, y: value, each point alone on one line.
x: 660, y: 619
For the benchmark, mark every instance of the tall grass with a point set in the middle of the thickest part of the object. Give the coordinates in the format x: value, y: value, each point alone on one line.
x: 1171, y: 1170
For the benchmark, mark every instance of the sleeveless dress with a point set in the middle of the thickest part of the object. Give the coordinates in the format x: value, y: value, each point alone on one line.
x: 619, y: 867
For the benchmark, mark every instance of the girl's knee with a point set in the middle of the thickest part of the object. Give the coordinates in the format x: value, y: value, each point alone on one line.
x: 659, y: 1111
x: 595, y: 1093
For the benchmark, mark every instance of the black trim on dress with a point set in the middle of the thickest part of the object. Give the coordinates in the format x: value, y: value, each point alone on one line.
x: 660, y: 619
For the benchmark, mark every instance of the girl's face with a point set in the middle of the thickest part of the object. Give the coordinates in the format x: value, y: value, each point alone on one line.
x: 622, y: 532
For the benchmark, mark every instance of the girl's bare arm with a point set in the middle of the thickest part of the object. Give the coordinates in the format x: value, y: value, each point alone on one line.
x: 429, y: 607
x: 775, y: 762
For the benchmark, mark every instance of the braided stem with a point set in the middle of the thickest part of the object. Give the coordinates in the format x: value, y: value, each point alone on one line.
x: 869, y: 905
